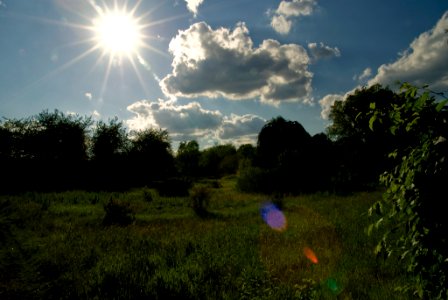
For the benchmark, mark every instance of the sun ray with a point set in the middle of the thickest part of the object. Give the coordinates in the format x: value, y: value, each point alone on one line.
x: 106, y: 76
x: 140, y: 78
x: 117, y: 31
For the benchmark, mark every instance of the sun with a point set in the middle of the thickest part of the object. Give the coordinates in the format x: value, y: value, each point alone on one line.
x: 118, y: 33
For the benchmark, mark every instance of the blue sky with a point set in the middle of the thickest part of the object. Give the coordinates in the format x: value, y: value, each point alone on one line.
x: 215, y: 70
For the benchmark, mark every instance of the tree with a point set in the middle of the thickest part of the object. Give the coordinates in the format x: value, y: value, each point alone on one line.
x: 413, y: 208
x: 187, y: 158
x: 363, y: 152
x: 279, y: 137
x: 219, y: 160
x: 150, y: 155
x: 109, y: 141
x: 60, y: 137
x: 6, y: 143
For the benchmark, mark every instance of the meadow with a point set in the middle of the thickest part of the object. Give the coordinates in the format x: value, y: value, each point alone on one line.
x: 57, y: 246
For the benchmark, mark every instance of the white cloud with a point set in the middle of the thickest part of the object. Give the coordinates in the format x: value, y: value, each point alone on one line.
x: 281, y: 24
x: 89, y: 96
x: 244, y: 127
x: 193, y: 5
x: 191, y: 121
x: 96, y: 114
x: 281, y: 20
x: 322, y: 51
x: 424, y: 62
x: 367, y: 73
x: 327, y: 102
x: 223, y: 62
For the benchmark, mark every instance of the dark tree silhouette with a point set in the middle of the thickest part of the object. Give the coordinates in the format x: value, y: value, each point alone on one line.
x: 187, y: 158
x: 218, y: 161
x: 279, y: 137
x: 57, y: 136
x: 150, y: 156
x: 109, y: 141
x: 6, y: 143
x: 362, y: 152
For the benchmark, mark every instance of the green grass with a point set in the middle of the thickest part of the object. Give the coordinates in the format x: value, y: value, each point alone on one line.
x: 55, y: 246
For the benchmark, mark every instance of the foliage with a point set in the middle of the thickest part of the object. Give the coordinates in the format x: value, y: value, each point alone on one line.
x: 173, y: 187
x: 413, y: 205
x: 151, y: 151
x: 118, y: 213
x: 277, y: 137
x: 362, y: 153
x: 109, y: 141
x: 218, y: 161
x: 287, y: 160
x: 199, y: 199
x: 63, y: 251
x: 187, y: 158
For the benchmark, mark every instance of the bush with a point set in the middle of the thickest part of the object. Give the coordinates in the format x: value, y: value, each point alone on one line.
x: 173, y: 187
x: 118, y: 213
x: 199, y: 200
x: 147, y: 195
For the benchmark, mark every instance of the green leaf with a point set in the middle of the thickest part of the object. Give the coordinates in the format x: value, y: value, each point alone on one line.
x: 371, y: 121
x: 441, y: 105
x: 421, y: 101
x: 369, y: 229
x: 372, y: 105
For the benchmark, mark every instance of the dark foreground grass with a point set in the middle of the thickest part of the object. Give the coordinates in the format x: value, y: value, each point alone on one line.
x: 55, y: 246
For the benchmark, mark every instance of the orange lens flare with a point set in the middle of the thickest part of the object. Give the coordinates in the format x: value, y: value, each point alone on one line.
x: 310, y: 255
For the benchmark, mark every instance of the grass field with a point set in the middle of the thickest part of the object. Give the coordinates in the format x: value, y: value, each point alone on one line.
x: 55, y: 246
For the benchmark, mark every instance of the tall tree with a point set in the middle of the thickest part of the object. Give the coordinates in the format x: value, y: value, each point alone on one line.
x: 109, y: 140
x: 150, y: 155
x: 187, y: 158
x: 362, y: 152
x: 279, y: 137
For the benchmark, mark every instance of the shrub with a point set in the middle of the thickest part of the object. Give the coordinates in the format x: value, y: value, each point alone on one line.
x: 173, y: 187
x: 199, y: 199
x: 147, y: 195
x: 118, y: 213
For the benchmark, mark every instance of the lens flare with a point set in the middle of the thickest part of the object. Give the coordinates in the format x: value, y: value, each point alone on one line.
x: 273, y: 216
x: 333, y: 286
x: 310, y: 255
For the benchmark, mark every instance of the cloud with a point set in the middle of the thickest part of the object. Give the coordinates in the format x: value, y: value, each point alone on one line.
x: 193, y: 5
x: 222, y: 62
x: 424, y: 62
x: 364, y: 75
x: 281, y: 20
x: 327, y: 102
x: 190, y: 119
x: 281, y: 24
x: 89, y: 96
x: 244, y: 127
x: 321, y: 51
x: 96, y: 114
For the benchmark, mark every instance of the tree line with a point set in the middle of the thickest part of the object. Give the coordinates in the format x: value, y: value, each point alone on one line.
x: 53, y: 150
x: 57, y: 151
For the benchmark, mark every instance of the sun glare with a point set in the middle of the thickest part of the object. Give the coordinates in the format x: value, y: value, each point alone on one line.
x: 118, y: 33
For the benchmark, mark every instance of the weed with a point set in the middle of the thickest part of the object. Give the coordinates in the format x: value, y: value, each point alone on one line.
x: 199, y: 199
x: 118, y: 213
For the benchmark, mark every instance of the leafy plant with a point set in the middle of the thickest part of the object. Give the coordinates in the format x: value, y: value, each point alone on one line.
x: 118, y: 213
x: 412, y: 205
x: 199, y: 199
